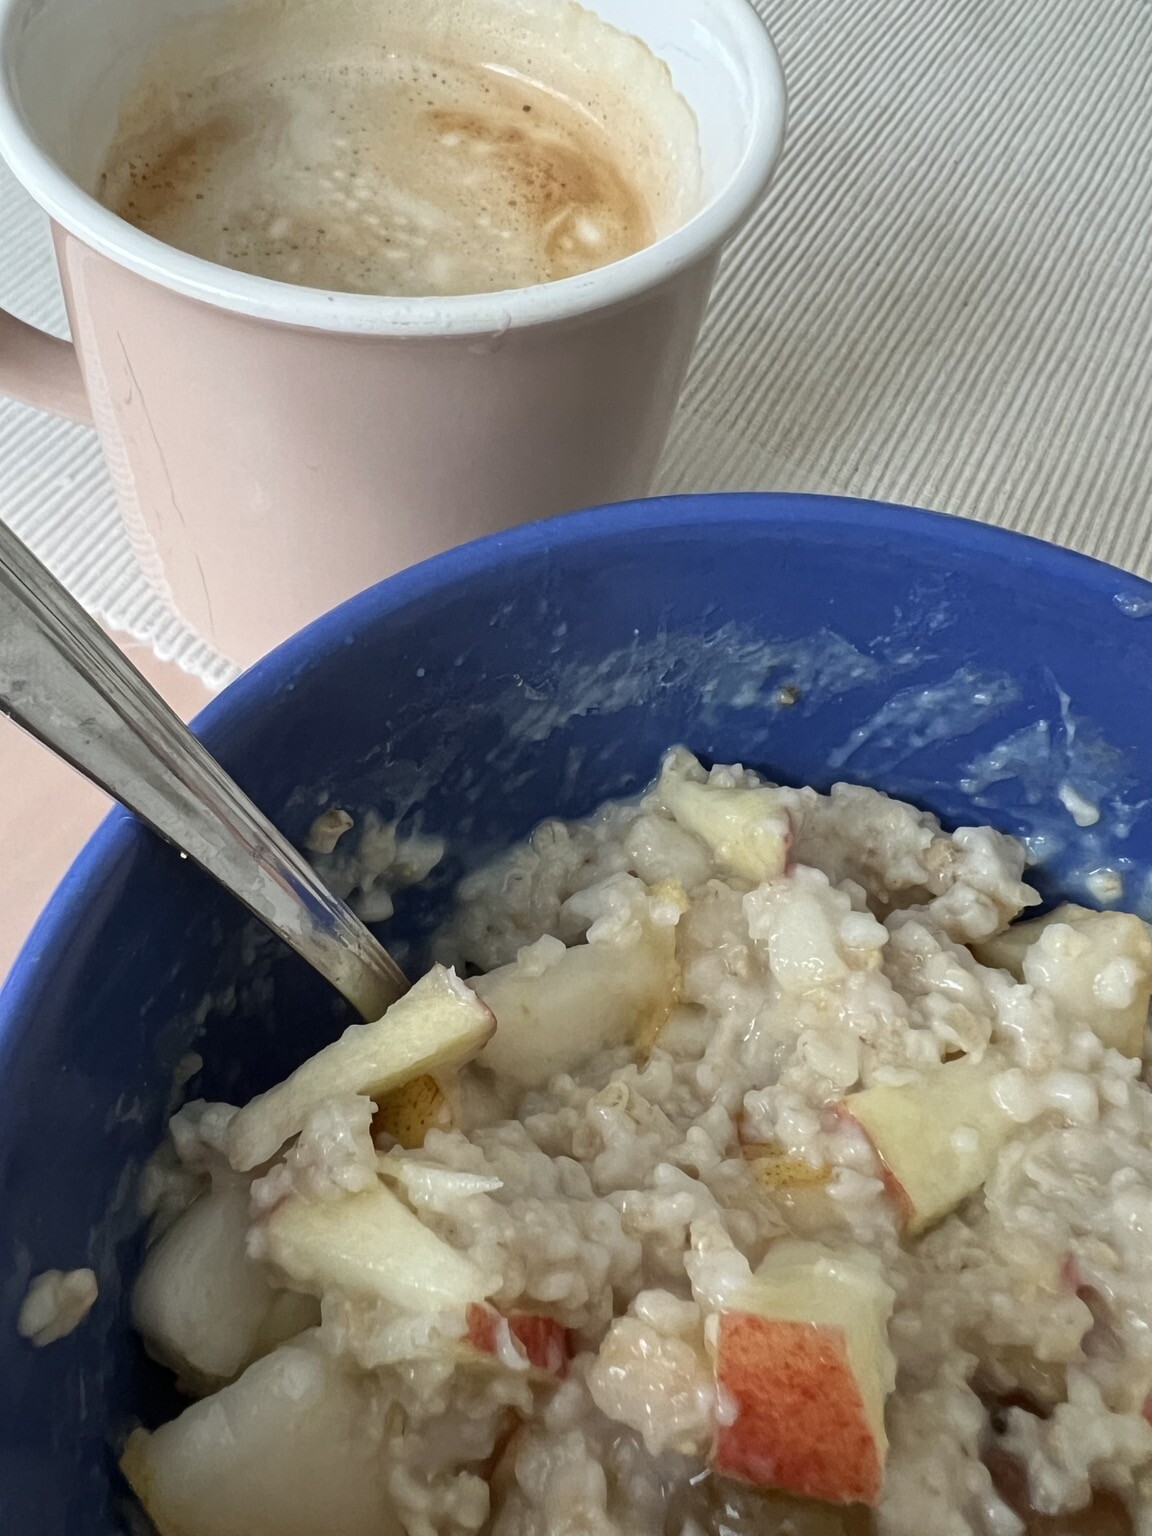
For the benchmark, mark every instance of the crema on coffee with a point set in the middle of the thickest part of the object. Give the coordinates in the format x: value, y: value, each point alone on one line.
x: 405, y: 147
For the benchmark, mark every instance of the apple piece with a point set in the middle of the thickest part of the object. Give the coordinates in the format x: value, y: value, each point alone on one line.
x: 56, y: 1302
x: 1097, y: 969
x: 938, y: 1137
x: 543, y: 1342
x: 608, y: 992
x: 1096, y: 966
x: 747, y: 830
x: 803, y: 1360
x: 203, y: 1307
x: 440, y: 1023
x: 409, y: 1112
x: 370, y: 1244
x: 1005, y: 951
x: 292, y: 1448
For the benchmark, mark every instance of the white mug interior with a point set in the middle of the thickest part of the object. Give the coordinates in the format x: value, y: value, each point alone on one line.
x: 67, y: 65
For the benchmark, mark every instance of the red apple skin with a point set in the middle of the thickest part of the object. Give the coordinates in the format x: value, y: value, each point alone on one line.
x: 897, y: 1194
x: 801, y: 1426
x: 895, y: 1191
x: 544, y: 1341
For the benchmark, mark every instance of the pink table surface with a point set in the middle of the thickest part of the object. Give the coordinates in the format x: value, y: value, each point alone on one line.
x: 47, y: 810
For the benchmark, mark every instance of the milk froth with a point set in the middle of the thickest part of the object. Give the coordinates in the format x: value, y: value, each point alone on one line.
x: 404, y: 147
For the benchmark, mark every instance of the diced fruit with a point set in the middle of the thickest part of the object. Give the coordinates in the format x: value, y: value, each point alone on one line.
x: 804, y: 1366
x: 290, y: 1449
x: 592, y: 997
x: 203, y: 1307
x: 440, y: 1023
x: 747, y: 831
x: 1096, y: 967
x: 56, y: 1302
x: 542, y: 1341
x: 370, y: 1244
x: 938, y: 1138
x: 1005, y: 951
x: 408, y: 1113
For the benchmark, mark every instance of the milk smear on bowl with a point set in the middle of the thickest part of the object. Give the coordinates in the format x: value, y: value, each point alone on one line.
x: 55, y: 1304
x: 739, y: 1169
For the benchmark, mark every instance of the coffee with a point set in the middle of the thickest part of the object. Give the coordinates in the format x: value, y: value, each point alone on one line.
x: 405, y: 147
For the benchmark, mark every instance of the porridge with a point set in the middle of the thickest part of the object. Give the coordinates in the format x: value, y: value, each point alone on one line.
x: 760, y: 1180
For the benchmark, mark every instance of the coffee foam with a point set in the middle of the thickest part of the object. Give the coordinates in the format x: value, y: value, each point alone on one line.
x: 377, y: 148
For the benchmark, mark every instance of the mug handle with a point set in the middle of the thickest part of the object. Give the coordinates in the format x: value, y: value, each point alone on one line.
x: 41, y: 370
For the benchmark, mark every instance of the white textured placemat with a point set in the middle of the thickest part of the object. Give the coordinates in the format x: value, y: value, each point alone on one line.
x: 946, y: 300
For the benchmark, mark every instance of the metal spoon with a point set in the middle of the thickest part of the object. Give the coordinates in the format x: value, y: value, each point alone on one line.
x: 70, y: 686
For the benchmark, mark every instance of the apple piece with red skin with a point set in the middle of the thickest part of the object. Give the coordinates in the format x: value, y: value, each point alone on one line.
x: 803, y: 1362
x: 543, y: 1342
x: 938, y: 1138
x: 440, y: 1023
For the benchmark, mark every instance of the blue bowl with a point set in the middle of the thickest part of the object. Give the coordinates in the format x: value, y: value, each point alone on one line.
x: 980, y: 674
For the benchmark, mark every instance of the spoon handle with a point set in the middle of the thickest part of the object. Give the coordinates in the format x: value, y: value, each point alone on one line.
x: 72, y: 688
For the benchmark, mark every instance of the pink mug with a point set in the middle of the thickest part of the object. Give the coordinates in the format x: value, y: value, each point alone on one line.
x: 277, y: 448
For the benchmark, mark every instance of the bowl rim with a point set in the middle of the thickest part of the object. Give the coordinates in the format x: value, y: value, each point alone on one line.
x: 652, y: 517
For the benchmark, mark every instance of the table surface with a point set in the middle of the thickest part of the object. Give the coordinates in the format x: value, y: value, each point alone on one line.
x: 945, y: 300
